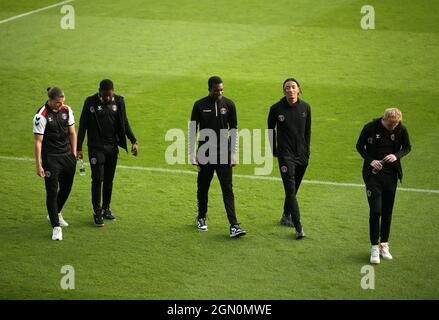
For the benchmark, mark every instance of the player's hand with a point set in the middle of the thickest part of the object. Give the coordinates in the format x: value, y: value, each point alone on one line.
x: 40, y: 171
x: 194, y: 160
x: 232, y: 159
x: 390, y: 158
x: 79, y: 154
x: 376, y: 165
x: 134, y: 149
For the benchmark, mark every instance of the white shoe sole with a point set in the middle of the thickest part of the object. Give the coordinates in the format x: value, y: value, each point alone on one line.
x: 58, y: 238
x: 236, y: 235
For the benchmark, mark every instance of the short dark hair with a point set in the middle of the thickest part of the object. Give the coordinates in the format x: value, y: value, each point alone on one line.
x: 214, y: 80
x: 55, y: 92
x: 294, y: 80
x: 106, y: 85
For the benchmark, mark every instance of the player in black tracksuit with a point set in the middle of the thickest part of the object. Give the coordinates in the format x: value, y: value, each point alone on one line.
x: 55, y: 154
x: 384, y: 139
x: 104, y: 118
x: 218, y: 114
x: 290, y: 120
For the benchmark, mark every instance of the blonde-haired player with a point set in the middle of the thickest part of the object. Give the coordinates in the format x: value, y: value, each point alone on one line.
x: 382, y: 143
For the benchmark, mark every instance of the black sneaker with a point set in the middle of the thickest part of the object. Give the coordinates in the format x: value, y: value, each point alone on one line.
x: 236, y: 231
x: 107, y: 214
x: 300, y: 235
x: 286, y: 221
x: 98, y: 218
x: 201, y: 224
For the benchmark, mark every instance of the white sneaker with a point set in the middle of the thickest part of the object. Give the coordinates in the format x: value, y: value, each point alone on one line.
x: 384, y: 251
x: 375, y: 255
x: 57, y: 233
x: 201, y: 224
x: 62, y: 222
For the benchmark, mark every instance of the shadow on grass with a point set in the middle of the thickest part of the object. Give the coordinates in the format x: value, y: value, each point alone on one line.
x: 361, y: 258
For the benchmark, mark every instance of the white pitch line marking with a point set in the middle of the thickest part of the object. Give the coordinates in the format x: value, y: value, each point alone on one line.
x: 35, y: 11
x: 243, y: 176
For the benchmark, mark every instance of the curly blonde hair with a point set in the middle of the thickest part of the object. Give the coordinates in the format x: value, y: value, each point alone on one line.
x: 393, y: 115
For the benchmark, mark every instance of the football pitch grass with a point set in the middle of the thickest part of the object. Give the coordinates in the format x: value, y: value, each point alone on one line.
x: 159, y: 55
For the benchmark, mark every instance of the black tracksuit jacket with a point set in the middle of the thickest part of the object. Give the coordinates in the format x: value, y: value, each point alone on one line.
x: 216, y: 115
x: 370, y: 138
x: 90, y: 123
x: 291, y: 125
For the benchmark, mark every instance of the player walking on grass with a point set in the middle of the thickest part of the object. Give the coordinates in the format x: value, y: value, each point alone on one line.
x: 104, y: 119
x: 382, y: 144
x: 217, y: 114
x: 290, y: 120
x: 55, y: 154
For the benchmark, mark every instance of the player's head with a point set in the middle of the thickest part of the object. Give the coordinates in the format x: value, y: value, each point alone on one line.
x: 216, y: 87
x: 56, y: 97
x: 106, y: 89
x: 392, y: 117
x: 291, y: 89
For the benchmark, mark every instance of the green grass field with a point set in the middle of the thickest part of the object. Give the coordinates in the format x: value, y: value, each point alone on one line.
x: 160, y: 55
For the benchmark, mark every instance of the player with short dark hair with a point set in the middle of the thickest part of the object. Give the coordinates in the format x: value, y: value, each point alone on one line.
x: 55, y: 154
x: 105, y: 120
x: 382, y: 144
x: 217, y: 114
x: 290, y: 120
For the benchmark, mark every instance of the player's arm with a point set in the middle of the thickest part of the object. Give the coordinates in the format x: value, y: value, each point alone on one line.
x: 83, y: 125
x: 361, y: 145
x: 272, y: 126
x: 361, y: 148
x: 192, y: 134
x: 38, y: 144
x: 233, y: 126
x: 72, y: 132
x: 129, y: 133
x: 73, y: 139
x: 39, y: 126
x: 308, y: 131
x: 406, y: 146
